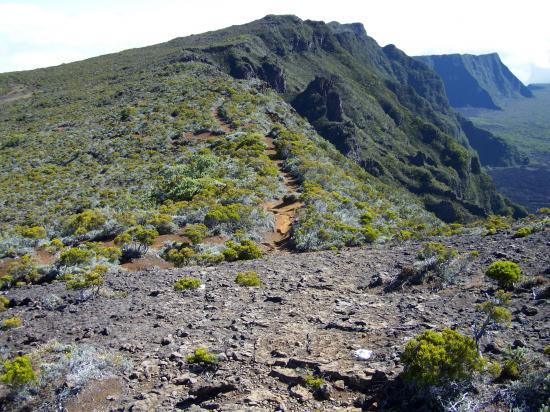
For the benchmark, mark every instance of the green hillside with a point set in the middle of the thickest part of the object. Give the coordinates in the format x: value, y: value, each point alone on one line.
x: 196, y: 149
x: 175, y: 144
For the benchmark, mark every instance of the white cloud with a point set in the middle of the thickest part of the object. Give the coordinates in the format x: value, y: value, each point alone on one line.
x: 41, y: 33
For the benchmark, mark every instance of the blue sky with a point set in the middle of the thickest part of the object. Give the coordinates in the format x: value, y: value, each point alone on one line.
x: 39, y: 33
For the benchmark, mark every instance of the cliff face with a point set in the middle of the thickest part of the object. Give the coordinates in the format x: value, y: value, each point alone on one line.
x: 476, y: 81
x: 377, y: 105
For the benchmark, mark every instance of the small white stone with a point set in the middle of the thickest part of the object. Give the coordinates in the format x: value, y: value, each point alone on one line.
x: 362, y: 354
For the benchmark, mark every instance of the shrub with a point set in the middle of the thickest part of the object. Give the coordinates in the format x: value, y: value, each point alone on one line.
x: 403, y: 235
x: 162, y: 223
x: 195, y: 233
x: 495, y: 369
x: 18, y: 371
x: 506, y: 273
x: 135, y: 241
x: 75, y: 256
x: 438, y: 250
x: 438, y: 358
x: 313, y: 381
x: 246, y: 250
x: 84, y: 222
x: 369, y: 233
x: 89, y: 279
x: 33, y: 232
x: 510, y: 370
x: 496, y: 313
x: 180, y: 257
x: 494, y: 223
x: 55, y: 245
x: 222, y: 214
x: 11, y: 323
x: 22, y: 270
x: 4, y: 302
x: 249, y: 278
x: 186, y: 283
x: 202, y: 356
x: 522, y: 232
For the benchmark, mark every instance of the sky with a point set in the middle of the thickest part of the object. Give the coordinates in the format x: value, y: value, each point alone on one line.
x: 41, y: 33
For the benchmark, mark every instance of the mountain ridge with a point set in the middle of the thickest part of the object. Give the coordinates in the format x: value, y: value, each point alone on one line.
x: 267, y: 47
x: 476, y: 80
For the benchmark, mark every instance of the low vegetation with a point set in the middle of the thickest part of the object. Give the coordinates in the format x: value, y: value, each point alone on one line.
x: 438, y: 358
x: 187, y: 283
x: 506, y: 273
x: 11, y: 323
x: 201, y: 356
x: 18, y: 372
x: 250, y: 279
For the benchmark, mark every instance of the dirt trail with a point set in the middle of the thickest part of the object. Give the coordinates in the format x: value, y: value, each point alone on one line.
x: 284, y: 208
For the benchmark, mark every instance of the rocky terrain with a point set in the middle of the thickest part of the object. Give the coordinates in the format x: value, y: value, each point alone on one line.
x: 310, y: 316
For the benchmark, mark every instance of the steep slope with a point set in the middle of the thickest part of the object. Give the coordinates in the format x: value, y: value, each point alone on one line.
x: 476, y: 81
x: 386, y: 111
x: 104, y: 145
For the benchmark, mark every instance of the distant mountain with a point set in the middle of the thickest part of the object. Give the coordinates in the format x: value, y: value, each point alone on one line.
x: 476, y: 81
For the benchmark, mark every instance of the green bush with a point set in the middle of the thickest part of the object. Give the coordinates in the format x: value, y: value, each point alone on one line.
x: 522, y: 232
x: 22, y: 270
x: 88, y: 279
x: 249, y: 279
x: 11, y: 323
x: 506, y: 273
x: 494, y: 223
x: 84, y: 222
x: 438, y: 250
x: 510, y: 370
x: 180, y: 257
x: 195, y: 232
x: 4, y: 302
x: 438, y: 358
x: 186, y: 283
x: 202, y: 356
x: 33, y: 232
x: 162, y: 223
x: 403, y: 235
x: 135, y: 241
x: 313, y: 381
x: 75, y: 256
x: 18, y: 371
x: 246, y: 250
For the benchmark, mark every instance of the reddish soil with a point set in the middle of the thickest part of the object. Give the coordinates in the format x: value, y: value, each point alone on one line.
x: 95, y: 397
x: 44, y: 258
x: 146, y: 262
x: 283, y: 209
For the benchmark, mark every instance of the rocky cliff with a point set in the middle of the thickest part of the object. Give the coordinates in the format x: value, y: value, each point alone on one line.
x: 476, y: 81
